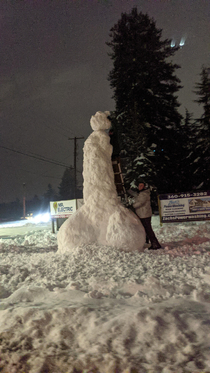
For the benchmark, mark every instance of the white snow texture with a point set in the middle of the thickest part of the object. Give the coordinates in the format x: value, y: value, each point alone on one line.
x: 97, y: 309
x: 102, y: 219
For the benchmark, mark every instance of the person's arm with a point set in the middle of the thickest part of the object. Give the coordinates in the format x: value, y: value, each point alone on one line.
x: 132, y: 193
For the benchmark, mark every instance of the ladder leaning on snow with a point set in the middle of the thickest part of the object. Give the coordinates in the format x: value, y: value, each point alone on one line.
x: 118, y: 178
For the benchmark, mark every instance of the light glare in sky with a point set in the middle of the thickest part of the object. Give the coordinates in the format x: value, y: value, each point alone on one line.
x: 182, y: 42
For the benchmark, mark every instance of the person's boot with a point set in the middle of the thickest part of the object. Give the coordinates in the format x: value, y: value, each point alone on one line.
x: 155, y: 246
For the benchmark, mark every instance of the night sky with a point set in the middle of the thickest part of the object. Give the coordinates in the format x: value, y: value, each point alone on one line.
x: 54, y: 65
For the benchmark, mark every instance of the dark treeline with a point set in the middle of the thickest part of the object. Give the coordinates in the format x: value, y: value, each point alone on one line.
x: 66, y: 190
x: 14, y: 210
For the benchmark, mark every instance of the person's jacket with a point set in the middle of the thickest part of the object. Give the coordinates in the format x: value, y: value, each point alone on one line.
x: 142, y: 203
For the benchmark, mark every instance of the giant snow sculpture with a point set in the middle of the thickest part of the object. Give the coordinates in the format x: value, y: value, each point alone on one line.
x: 102, y: 219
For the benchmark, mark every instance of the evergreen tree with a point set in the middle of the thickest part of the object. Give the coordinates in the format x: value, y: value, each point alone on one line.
x: 201, y: 162
x: 50, y: 195
x: 66, y: 187
x: 11, y: 210
x: 146, y: 118
x: 34, y: 205
x: 188, y: 140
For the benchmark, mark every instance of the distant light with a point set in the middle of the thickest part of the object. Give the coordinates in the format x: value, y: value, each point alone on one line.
x: 41, y: 218
x: 182, y: 42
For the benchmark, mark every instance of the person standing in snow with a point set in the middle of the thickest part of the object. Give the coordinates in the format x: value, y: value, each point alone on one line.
x: 143, y: 210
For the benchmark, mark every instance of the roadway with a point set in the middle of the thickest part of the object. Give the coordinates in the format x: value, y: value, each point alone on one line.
x: 21, y: 228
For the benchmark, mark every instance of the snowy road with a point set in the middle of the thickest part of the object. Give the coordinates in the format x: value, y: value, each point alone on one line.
x: 20, y: 227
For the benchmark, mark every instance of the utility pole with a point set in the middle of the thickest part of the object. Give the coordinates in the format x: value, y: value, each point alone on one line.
x: 24, y: 201
x: 75, y: 162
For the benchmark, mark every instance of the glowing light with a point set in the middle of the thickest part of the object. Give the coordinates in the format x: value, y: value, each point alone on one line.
x: 182, y: 42
x: 173, y: 43
x: 42, y: 218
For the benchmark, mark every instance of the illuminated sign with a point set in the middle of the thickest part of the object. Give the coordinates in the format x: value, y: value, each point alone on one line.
x: 177, y: 207
x: 63, y: 209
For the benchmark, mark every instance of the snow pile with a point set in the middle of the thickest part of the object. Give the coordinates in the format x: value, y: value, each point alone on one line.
x: 102, y: 219
x: 102, y: 309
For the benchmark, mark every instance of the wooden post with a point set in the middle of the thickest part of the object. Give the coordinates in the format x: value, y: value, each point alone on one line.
x: 159, y: 209
x: 53, y: 227
x: 24, y: 202
x: 75, y: 162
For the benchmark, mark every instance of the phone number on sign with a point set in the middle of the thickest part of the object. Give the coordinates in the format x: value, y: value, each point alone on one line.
x: 187, y: 195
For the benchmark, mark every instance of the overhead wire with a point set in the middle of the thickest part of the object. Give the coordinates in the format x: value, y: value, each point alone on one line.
x: 41, y: 158
x: 36, y: 156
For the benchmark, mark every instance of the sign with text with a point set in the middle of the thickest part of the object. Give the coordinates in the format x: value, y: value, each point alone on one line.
x: 177, y: 207
x: 63, y: 209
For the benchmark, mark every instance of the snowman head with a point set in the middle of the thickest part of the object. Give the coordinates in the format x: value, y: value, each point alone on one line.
x: 99, y: 121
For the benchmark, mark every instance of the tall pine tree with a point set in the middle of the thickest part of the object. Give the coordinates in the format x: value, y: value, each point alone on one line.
x: 201, y: 162
x: 66, y: 187
x: 49, y: 196
x: 187, y: 154
x: 146, y: 117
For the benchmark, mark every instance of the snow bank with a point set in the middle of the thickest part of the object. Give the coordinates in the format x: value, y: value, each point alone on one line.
x: 106, y: 309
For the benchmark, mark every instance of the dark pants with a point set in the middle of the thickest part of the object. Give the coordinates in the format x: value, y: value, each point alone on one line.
x: 146, y: 222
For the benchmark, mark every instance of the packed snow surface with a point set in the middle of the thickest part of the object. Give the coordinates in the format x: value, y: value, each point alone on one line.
x: 100, y: 309
x: 102, y: 219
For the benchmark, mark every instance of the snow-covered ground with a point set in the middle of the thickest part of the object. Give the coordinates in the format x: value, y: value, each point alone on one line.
x: 101, y: 309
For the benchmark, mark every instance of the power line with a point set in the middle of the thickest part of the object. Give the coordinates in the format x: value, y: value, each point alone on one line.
x: 40, y: 175
x: 36, y: 173
x: 35, y: 156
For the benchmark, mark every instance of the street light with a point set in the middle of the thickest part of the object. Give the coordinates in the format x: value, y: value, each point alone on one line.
x: 24, y: 201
